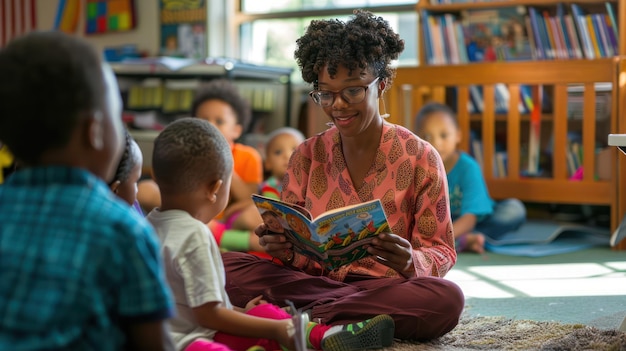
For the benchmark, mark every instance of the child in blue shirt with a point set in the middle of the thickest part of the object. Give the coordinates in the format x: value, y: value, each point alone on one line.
x: 79, y: 271
x: 474, y: 213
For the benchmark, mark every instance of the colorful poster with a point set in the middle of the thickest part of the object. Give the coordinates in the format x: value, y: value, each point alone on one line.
x: 103, y: 16
x: 183, y: 28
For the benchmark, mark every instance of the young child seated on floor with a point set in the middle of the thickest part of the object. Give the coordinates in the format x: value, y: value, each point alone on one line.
x: 278, y: 149
x: 474, y: 213
x: 128, y: 171
x: 79, y: 270
x: 219, y: 103
x: 192, y: 164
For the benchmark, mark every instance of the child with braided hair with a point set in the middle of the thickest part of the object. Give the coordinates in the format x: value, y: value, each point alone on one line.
x: 124, y: 183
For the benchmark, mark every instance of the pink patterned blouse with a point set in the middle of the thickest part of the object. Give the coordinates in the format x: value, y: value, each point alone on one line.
x: 407, y: 176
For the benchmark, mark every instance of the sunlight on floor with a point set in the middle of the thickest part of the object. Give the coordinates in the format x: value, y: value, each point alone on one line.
x: 542, y: 280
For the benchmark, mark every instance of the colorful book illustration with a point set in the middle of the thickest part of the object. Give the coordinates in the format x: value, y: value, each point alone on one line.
x: 496, y: 35
x: 333, y: 239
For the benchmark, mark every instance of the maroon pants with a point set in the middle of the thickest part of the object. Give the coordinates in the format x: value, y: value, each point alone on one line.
x: 423, y: 308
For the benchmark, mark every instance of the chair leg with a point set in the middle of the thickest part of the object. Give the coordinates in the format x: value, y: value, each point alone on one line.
x: 623, y: 326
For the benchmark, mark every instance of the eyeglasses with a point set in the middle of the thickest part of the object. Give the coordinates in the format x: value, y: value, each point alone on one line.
x: 351, y: 95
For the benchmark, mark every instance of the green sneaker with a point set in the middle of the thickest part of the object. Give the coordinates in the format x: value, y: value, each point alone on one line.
x: 374, y: 333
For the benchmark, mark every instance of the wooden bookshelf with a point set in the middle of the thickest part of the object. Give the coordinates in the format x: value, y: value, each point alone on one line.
x: 415, y: 86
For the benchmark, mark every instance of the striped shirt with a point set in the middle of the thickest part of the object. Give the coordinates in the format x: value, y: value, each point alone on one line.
x: 75, y: 263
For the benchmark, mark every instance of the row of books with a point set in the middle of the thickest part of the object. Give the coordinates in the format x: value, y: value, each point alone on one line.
x: 479, y: 35
x: 476, y: 103
x: 518, y: 33
x: 500, y: 160
x: 573, y: 35
x: 176, y: 95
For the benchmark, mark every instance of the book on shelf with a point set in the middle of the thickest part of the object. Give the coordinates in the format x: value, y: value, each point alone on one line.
x: 496, y: 34
x: 534, y: 148
x: 611, y: 21
x: 334, y: 238
x: 500, y: 169
x: 502, y: 97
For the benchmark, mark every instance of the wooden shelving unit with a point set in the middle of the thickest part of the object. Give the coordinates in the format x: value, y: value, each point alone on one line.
x: 414, y: 86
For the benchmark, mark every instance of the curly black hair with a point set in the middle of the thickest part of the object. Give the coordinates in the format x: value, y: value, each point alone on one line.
x: 365, y: 41
x: 48, y: 80
x: 187, y: 152
x: 127, y: 162
x: 224, y: 90
x: 433, y: 107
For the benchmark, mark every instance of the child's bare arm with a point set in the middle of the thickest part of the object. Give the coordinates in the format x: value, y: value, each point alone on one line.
x: 214, y: 316
x: 464, y: 224
x: 149, y: 336
x: 241, y: 190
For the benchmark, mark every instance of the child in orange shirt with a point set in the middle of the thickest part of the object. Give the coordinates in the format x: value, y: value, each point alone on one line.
x: 219, y: 103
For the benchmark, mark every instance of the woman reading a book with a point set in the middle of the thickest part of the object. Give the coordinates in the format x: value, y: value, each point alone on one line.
x: 359, y: 158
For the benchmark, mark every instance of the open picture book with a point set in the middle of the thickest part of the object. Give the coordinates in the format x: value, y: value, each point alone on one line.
x: 334, y: 238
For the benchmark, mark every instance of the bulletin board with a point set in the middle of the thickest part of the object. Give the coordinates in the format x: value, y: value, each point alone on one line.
x: 105, y: 16
x: 183, y: 28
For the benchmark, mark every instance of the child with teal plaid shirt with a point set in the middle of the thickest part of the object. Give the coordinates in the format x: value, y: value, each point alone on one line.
x: 79, y: 270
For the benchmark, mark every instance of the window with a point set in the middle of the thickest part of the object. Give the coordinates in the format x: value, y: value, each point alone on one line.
x: 268, y: 29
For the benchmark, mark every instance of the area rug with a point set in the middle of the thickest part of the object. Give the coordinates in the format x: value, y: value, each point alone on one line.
x: 499, y: 333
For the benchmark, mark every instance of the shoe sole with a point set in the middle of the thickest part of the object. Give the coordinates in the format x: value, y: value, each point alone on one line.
x: 378, y: 333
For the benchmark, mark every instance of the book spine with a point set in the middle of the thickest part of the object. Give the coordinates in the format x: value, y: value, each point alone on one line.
x: 593, y: 35
x: 452, y: 41
x: 575, y: 40
x: 531, y: 38
x: 552, y: 39
x: 611, y: 35
x: 444, y: 39
x: 534, y: 23
x: 558, y: 38
x: 437, y: 41
x: 545, y: 37
x: 581, y: 24
x: 460, y: 38
x: 600, y: 23
x: 526, y: 98
x: 560, y: 21
x: 611, y: 14
x: 477, y: 97
x: 428, y: 45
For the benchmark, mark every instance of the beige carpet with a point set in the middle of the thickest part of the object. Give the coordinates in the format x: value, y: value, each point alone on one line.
x: 499, y: 333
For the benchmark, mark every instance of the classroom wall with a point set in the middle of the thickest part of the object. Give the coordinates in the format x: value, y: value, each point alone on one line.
x: 145, y: 35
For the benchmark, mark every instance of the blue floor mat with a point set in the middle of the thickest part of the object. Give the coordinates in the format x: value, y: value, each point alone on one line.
x: 542, y: 238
